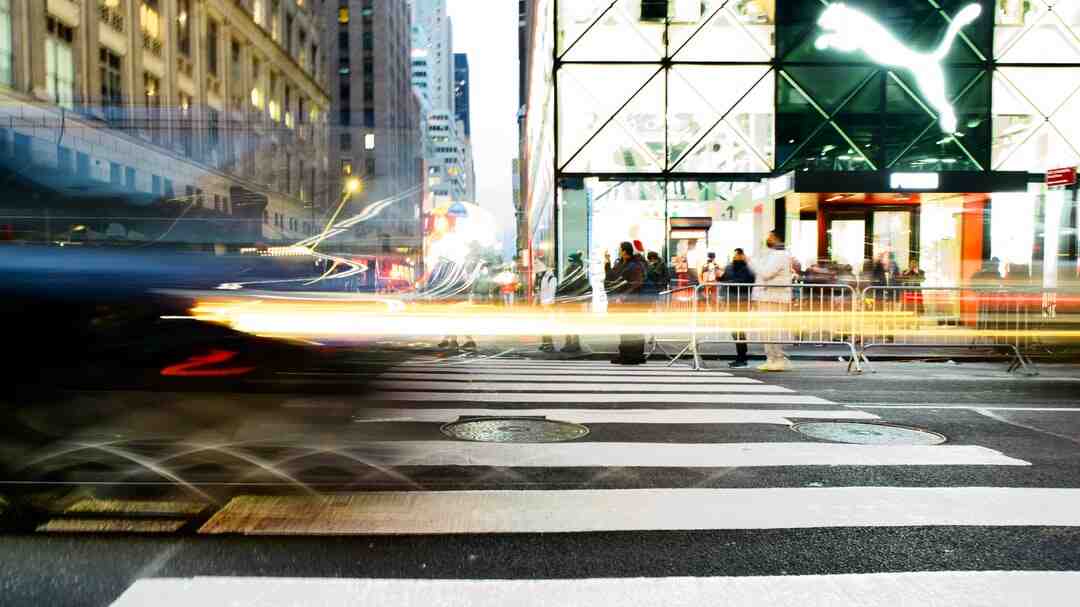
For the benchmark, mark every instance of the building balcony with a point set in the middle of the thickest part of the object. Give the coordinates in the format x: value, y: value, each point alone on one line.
x: 111, y: 17
x: 152, y: 45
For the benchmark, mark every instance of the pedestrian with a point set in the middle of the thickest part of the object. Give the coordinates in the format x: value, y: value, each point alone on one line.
x: 548, y: 284
x: 708, y: 276
x: 772, y: 294
x: 682, y: 271
x: 627, y: 277
x: 575, y: 287
x: 658, y: 278
x: 739, y: 275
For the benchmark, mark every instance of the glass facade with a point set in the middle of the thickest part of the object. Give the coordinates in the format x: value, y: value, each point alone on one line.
x: 643, y: 98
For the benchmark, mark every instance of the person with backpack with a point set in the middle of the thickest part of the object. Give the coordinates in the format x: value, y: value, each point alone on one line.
x: 626, y: 279
x: 739, y: 274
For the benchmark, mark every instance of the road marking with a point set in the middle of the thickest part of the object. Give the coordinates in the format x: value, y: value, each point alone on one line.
x: 957, y: 588
x: 612, y: 510
x: 672, y: 455
x: 615, y: 416
x: 574, y: 378
x: 594, y: 397
x: 967, y: 406
x: 560, y: 388
x: 608, y: 370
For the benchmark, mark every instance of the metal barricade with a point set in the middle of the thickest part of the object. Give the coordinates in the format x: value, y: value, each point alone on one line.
x: 679, y: 302
x: 937, y: 318
x: 799, y: 314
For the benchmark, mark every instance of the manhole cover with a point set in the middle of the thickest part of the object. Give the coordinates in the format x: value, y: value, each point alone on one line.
x: 868, y: 434
x: 514, y: 430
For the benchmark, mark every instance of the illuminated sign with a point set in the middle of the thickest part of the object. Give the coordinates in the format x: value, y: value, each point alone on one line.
x: 849, y: 30
x: 914, y: 181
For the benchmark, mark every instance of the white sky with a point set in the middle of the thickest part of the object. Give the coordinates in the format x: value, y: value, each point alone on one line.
x: 487, y: 31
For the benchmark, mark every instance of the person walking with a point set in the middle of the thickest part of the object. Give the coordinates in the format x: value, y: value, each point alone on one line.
x: 548, y: 284
x: 575, y: 286
x: 627, y: 277
x: 682, y: 271
x: 708, y: 276
x: 738, y: 273
x: 772, y: 294
x: 657, y: 274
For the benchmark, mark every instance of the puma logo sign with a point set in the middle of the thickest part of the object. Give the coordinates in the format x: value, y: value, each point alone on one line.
x: 849, y: 30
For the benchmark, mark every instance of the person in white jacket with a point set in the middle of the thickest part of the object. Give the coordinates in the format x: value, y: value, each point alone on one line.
x: 773, y: 295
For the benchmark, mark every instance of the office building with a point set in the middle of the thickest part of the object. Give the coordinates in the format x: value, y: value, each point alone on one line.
x: 176, y: 121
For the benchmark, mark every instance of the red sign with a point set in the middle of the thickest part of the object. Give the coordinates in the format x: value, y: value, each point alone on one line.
x: 1056, y: 178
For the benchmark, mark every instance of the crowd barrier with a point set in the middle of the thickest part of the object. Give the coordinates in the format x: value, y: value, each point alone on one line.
x: 932, y: 319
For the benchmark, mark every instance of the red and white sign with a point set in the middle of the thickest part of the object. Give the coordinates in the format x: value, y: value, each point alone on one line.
x: 1058, y: 178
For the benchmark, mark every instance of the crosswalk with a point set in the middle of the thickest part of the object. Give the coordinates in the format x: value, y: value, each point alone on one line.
x: 647, y: 425
x: 651, y: 417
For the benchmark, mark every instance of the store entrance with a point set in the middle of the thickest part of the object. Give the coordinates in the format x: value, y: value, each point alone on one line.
x: 858, y: 235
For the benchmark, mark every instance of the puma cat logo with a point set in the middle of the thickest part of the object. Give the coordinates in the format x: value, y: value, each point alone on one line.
x: 849, y: 30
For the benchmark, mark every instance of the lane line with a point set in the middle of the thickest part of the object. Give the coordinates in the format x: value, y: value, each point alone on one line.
x: 577, y: 511
x: 593, y: 397
x: 583, y: 454
x: 954, y: 588
x: 609, y: 370
x: 617, y: 416
x: 998, y: 418
x: 972, y: 406
x: 559, y: 388
x: 555, y: 377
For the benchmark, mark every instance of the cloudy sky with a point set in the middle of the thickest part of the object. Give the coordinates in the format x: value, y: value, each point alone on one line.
x: 487, y: 31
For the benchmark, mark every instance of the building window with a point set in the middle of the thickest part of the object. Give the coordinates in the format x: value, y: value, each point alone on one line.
x: 82, y: 165
x: 343, y: 15
x: 368, y: 41
x: 346, y: 142
x: 152, y: 100
x: 369, y: 141
x: 256, y: 90
x: 213, y: 129
x: 369, y: 119
x: 185, y: 123
x: 150, y: 19
x: 369, y: 91
x: 346, y: 167
x: 7, y: 75
x: 369, y: 167
x: 237, y: 62
x: 129, y: 178
x: 112, y: 84
x: 116, y: 174
x: 183, y: 27
x: 155, y: 185
x: 288, y: 173
x: 289, y: 34
x: 170, y: 192
x: 275, y: 19
x: 60, y: 64
x: 212, y: 47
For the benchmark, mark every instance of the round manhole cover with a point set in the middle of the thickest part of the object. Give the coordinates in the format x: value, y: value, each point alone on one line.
x: 514, y: 430
x: 868, y: 434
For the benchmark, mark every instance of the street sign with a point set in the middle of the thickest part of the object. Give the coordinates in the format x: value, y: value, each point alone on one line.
x: 1060, y: 178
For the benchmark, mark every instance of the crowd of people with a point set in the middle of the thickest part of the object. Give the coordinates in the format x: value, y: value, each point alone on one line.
x: 637, y: 277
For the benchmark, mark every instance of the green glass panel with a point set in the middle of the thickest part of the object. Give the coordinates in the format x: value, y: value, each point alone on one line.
x: 826, y: 150
x: 861, y: 118
x: 829, y: 86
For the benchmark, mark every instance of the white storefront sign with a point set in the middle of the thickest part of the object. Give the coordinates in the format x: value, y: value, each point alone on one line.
x: 914, y: 181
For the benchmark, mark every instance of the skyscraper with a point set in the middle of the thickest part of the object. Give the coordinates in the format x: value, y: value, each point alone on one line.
x: 375, y: 119
x: 461, y: 91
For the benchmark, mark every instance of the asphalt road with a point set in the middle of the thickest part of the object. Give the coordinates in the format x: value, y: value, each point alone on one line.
x: 651, y: 492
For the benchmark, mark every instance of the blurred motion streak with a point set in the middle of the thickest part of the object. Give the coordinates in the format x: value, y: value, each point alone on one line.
x: 343, y: 318
x: 196, y: 366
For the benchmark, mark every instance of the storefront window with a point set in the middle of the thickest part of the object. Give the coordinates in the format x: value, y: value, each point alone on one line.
x: 719, y: 119
x: 1040, y: 31
x: 598, y: 30
x: 726, y: 31
x: 1036, y: 118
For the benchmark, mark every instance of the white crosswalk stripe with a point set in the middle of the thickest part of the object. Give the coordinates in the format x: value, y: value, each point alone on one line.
x: 649, y: 398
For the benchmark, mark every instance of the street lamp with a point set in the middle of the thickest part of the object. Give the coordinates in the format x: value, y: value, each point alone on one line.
x: 353, y: 185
